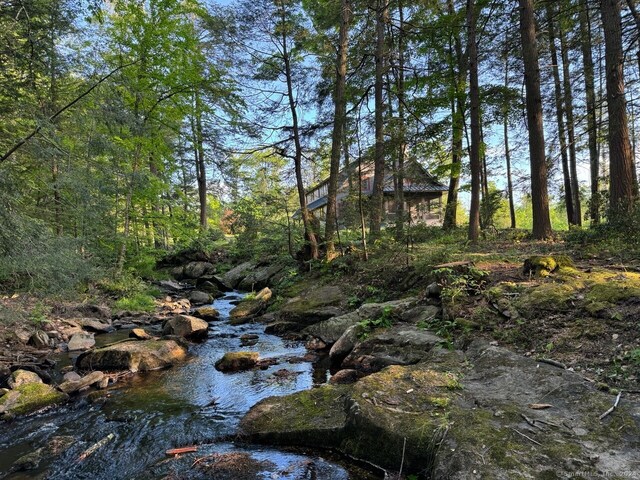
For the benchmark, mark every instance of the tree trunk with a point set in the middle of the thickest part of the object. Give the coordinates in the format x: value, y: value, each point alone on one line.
x: 201, y: 172
x: 555, y: 68
x: 539, y: 194
x: 457, y: 125
x: 309, y: 233
x: 590, y: 93
x: 507, y: 153
x: 402, y: 134
x: 338, y: 129
x: 571, y: 136
x: 620, y: 158
x: 474, y: 95
x: 377, y: 196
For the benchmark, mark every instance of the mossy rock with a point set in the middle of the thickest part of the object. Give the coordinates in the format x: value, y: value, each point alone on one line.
x: 397, y: 404
x: 237, y: 361
x: 246, y: 309
x: 29, y: 397
x: 312, y: 418
x: 545, y: 297
x: 544, y: 265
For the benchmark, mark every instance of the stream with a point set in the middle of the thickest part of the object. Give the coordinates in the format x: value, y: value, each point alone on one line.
x: 190, y: 404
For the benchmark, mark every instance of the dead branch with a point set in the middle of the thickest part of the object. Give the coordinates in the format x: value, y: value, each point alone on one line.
x: 527, y: 437
x: 615, y: 405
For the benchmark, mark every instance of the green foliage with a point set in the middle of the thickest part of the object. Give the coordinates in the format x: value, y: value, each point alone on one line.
x: 33, y: 259
x: 634, y: 357
x: 123, y: 285
x: 137, y: 302
x: 489, y: 207
x: 38, y: 315
x: 467, y: 280
x: 384, y: 320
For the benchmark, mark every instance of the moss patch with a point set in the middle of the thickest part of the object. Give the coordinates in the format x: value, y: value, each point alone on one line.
x: 31, y: 397
x: 313, y: 417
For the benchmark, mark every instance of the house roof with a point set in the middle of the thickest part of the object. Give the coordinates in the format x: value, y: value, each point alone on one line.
x: 431, y: 185
x: 320, y: 202
x: 419, y: 188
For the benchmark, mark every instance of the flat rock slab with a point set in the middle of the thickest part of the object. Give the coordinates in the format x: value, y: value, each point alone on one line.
x: 133, y: 355
x: 463, y: 417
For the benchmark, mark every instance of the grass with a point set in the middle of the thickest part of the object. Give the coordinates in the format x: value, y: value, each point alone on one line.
x: 138, y: 302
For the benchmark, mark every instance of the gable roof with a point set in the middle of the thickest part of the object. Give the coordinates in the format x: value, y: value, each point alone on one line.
x: 428, y: 183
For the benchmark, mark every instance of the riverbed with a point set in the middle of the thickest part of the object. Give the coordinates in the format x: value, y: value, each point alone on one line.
x: 144, y: 415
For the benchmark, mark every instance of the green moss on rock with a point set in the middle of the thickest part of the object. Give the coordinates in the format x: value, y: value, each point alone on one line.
x: 236, y: 361
x: 29, y: 397
x: 315, y: 417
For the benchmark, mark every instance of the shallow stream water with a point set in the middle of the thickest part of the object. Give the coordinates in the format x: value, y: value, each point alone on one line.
x: 190, y: 404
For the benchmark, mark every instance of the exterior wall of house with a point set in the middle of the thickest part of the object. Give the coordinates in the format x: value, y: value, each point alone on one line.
x: 424, y: 207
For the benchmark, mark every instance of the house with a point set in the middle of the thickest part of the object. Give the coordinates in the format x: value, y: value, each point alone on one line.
x: 422, y: 193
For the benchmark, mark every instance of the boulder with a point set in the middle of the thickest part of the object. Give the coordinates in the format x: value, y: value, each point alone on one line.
x: 399, y: 345
x: 215, y: 280
x: 71, y: 386
x: 260, y: 277
x: 21, y: 335
x: 194, y: 270
x: 207, y: 313
x: 81, y: 341
x: 345, y: 343
x: 197, y: 297
x: 544, y: 265
x: 237, y: 361
x: 83, y: 310
x: 133, y: 355
x: 71, y: 376
x: 178, y: 272
x: 279, y: 328
x: 28, y: 397
x: 329, y: 331
x: 314, y: 305
x: 186, y: 326
x: 421, y: 314
x: 40, y: 339
x: 264, y: 294
x: 247, y: 309
x: 344, y: 376
x: 489, y: 426
x: 234, y: 276
x: 22, y: 377
x: 311, y: 418
x: 32, y: 460
x: 170, y: 286
x: 209, y: 288
x: 249, y: 339
x: 139, y: 334
x: 93, y: 325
